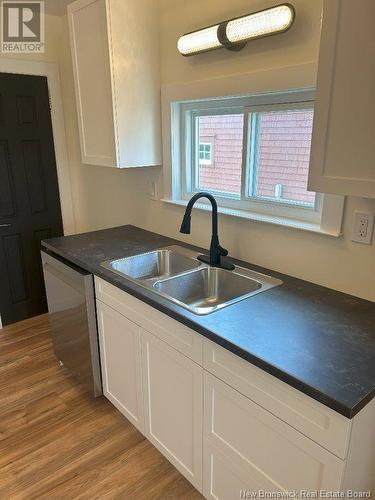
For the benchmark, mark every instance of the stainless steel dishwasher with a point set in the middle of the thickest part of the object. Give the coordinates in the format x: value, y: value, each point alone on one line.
x: 71, y: 306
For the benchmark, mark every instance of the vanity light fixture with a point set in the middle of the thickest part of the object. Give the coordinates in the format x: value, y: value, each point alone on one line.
x: 235, y: 33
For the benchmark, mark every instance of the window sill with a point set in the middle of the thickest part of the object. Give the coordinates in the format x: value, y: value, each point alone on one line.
x: 258, y: 217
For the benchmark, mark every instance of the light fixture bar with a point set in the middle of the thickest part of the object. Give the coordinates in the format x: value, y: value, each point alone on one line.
x: 264, y: 23
x: 199, y: 41
x: 234, y: 34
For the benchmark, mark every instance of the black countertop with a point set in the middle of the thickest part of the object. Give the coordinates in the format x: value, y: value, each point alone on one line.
x: 320, y: 341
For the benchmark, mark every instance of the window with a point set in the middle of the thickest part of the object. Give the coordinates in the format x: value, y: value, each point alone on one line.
x: 205, y: 153
x: 279, y: 153
x: 252, y: 153
x: 226, y: 131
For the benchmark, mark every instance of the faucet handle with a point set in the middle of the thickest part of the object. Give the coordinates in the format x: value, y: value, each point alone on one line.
x: 222, y: 251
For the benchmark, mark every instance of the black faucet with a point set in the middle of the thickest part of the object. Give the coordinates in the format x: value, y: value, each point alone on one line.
x: 216, y: 251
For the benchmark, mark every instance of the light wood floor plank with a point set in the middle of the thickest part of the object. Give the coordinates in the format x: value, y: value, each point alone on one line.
x: 56, y: 442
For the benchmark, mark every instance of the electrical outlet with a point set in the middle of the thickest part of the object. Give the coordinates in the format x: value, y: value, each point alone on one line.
x: 363, y: 226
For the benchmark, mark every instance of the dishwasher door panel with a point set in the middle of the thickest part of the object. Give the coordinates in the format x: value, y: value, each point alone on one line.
x: 71, y: 305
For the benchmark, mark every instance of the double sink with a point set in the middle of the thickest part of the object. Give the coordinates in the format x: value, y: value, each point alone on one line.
x: 175, y: 273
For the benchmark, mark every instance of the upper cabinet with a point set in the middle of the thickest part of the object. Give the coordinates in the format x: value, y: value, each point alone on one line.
x: 342, y: 154
x: 115, y: 55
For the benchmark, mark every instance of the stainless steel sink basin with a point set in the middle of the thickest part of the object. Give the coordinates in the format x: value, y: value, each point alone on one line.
x: 205, y: 290
x: 175, y: 273
x: 153, y: 265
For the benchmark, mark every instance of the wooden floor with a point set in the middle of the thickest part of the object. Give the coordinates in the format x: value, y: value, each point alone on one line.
x: 58, y: 443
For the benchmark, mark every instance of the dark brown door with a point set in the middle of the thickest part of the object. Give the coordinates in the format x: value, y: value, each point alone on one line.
x: 29, y: 194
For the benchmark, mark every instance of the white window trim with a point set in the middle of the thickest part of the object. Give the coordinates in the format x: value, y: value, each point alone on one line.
x: 333, y: 208
x: 262, y: 82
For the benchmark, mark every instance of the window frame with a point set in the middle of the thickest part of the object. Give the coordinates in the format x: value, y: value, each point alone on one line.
x: 189, y: 111
x: 265, y: 82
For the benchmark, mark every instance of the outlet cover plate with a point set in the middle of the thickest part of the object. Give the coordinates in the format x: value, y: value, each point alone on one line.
x: 363, y: 226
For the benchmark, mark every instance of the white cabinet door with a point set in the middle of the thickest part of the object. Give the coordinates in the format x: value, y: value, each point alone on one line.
x: 344, y: 127
x: 248, y: 448
x: 115, y: 54
x: 92, y: 80
x: 120, y: 352
x: 173, y: 406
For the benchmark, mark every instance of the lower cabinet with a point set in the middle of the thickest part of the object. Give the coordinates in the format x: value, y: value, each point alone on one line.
x: 155, y: 387
x: 230, y: 429
x: 173, y: 403
x: 120, y: 352
x: 248, y: 448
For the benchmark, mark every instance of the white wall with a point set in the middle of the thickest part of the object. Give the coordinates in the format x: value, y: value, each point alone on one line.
x: 336, y: 263
x: 93, y: 208
x: 100, y: 194
x: 106, y: 197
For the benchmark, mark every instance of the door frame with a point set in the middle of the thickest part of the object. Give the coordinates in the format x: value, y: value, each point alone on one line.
x: 51, y: 71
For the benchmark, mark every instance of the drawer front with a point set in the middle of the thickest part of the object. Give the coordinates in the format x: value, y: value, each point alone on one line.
x: 318, y: 422
x: 276, y: 456
x: 180, y: 337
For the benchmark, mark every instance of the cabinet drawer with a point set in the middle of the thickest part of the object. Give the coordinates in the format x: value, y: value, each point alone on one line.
x: 172, y: 332
x: 318, y: 422
x: 276, y: 456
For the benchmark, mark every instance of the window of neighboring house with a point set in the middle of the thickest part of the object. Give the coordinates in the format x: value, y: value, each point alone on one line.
x: 262, y: 152
x: 205, y: 153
